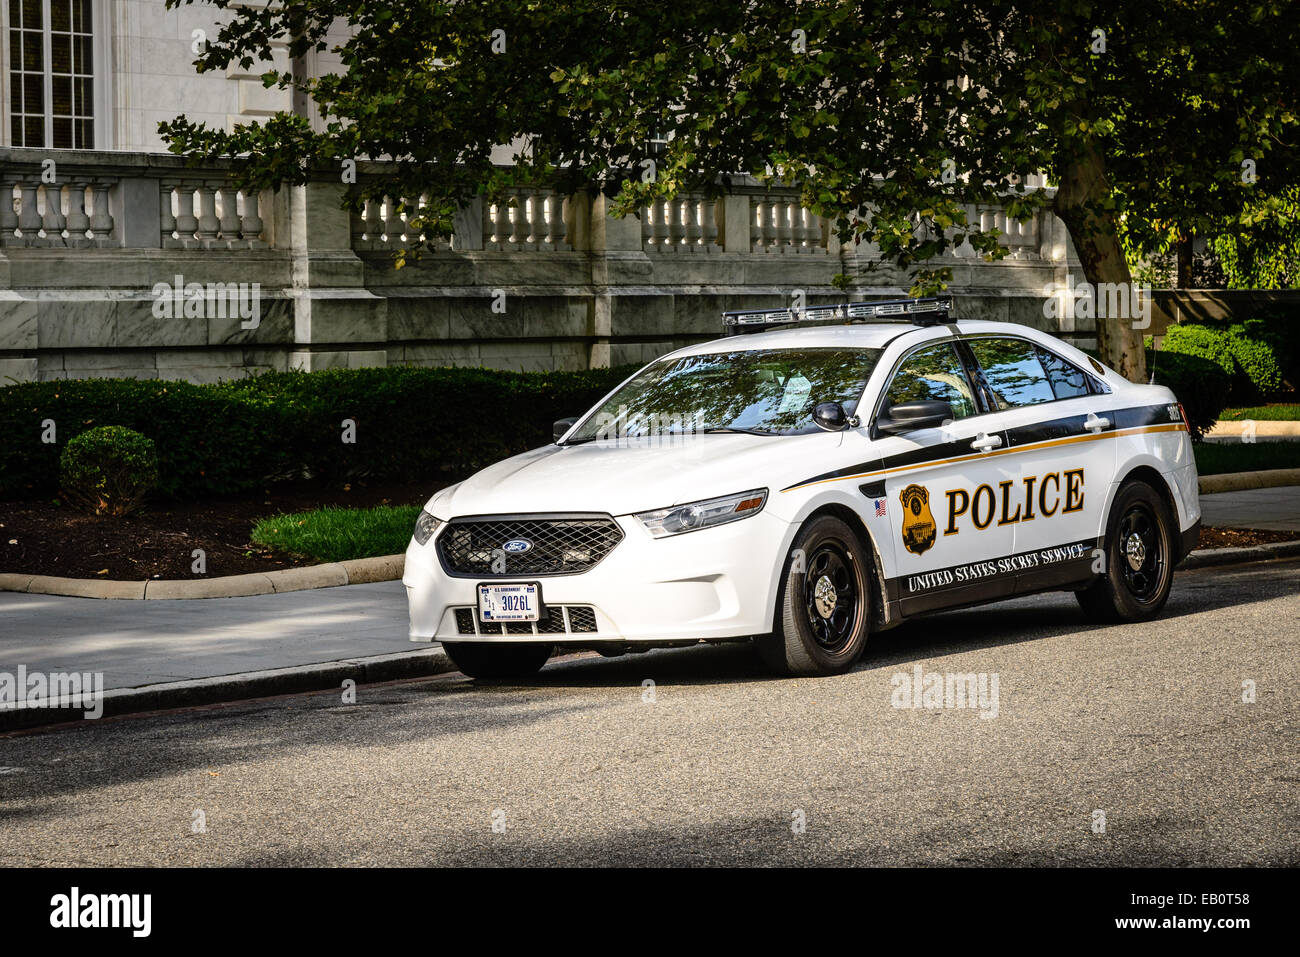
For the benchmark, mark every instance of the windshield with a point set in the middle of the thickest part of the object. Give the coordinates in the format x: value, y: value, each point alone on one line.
x: 767, y: 391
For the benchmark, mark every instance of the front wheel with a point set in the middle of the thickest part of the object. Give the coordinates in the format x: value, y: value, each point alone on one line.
x: 823, y: 605
x: 1139, y: 559
x: 504, y: 659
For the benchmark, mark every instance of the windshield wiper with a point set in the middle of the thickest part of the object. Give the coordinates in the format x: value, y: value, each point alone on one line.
x: 727, y: 428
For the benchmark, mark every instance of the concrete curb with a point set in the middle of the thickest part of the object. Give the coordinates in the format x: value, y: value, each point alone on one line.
x: 357, y: 571
x: 1264, y: 428
x: 1208, y: 557
x: 1240, y: 481
x: 254, y: 684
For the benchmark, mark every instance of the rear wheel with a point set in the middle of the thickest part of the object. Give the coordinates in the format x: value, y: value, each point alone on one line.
x: 823, y: 605
x: 505, y: 659
x: 1140, y: 549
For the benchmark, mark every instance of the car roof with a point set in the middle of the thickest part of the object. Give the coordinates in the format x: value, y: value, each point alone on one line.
x: 858, y: 335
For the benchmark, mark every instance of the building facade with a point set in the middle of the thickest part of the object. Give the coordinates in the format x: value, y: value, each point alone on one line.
x: 118, y: 259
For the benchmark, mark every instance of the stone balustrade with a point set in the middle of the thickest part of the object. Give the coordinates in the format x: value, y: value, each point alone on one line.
x: 209, y: 214
x: 538, y: 280
x: 97, y: 199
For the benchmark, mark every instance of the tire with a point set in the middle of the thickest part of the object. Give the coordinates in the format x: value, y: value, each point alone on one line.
x: 1141, y: 550
x: 823, y: 605
x: 504, y: 659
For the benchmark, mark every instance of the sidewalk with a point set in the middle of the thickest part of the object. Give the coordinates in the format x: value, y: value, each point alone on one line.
x: 1274, y: 509
x: 138, y: 643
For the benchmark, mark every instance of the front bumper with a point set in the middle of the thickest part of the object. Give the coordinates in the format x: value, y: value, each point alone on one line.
x: 704, y: 585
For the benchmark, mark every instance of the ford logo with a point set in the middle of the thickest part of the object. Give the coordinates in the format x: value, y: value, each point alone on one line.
x: 517, y: 545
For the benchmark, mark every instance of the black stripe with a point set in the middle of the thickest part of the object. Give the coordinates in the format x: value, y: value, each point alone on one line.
x: 996, y: 577
x: 1060, y: 428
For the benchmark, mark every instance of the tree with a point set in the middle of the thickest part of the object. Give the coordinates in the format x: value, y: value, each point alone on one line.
x: 892, y: 118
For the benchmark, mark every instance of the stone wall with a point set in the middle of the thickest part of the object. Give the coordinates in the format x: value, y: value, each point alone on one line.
x: 544, y: 282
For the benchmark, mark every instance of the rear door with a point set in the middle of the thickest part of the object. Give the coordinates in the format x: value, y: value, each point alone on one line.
x: 1060, y: 456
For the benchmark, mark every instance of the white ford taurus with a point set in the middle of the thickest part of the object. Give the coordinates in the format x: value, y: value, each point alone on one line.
x: 804, y: 487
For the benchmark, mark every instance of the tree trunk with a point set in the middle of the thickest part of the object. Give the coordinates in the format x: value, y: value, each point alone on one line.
x: 1079, y: 198
x: 1183, y: 279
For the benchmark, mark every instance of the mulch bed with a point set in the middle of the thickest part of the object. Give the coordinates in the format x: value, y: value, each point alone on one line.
x: 1242, y: 537
x: 158, y: 542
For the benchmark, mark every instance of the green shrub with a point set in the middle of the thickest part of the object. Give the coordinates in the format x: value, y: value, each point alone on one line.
x: 1200, y: 384
x: 1245, y: 351
x: 236, y: 436
x: 109, y: 470
x: 1280, y: 328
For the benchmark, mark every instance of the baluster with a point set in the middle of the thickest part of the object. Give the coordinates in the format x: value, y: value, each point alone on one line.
x: 557, y: 231
x: 775, y: 228
x: 208, y: 222
x: 674, y: 222
x: 8, y: 214
x: 661, y: 232
x: 519, y: 220
x: 78, y: 221
x: 186, y: 223
x: 784, y: 236
x: 29, y: 215
x: 693, y: 230
x: 101, y: 220
x: 53, y: 221
x: 374, y: 220
x: 166, y: 219
x: 709, y: 223
x: 229, y: 221
x: 756, y: 223
x: 534, y: 219
x: 250, y: 224
x: 393, y: 225
x: 805, y: 231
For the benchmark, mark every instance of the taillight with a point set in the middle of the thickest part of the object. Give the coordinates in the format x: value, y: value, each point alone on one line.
x: 1182, y: 413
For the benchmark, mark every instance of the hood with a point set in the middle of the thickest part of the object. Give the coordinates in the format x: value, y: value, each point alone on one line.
x: 631, y: 477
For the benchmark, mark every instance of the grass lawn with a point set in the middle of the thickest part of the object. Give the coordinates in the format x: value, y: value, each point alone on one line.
x: 1278, y: 411
x: 1215, y: 458
x: 337, y: 534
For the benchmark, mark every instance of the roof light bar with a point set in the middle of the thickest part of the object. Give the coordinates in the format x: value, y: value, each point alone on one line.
x: 926, y: 311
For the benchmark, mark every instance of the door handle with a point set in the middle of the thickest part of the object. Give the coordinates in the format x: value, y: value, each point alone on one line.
x: 1095, y: 423
x: 983, y: 442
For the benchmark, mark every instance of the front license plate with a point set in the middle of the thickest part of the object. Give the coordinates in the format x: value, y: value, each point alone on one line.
x: 518, y: 601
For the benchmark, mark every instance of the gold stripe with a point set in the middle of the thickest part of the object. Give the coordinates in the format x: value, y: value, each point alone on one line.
x: 1033, y: 446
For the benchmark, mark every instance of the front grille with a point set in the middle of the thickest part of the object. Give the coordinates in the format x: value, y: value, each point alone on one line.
x: 582, y: 619
x: 561, y: 545
x: 560, y: 620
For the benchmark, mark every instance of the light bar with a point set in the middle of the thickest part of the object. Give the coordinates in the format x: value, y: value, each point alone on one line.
x: 924, y: 311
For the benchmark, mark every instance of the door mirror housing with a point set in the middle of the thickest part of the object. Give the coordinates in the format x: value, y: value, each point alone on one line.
x: 911, y: 416
x: 560, y: 426
x: 832, y: 417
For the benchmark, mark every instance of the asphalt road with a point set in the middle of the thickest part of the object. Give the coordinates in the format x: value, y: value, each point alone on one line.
x: 1144, y: 723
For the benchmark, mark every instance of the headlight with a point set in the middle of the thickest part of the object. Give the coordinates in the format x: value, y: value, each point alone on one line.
x: 425, y: 526
x: 714, y: 511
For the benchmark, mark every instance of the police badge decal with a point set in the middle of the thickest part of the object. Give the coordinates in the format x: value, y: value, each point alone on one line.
x: 918, y: 523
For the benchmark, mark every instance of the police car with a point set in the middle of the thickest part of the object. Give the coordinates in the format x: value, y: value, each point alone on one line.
x: 807, y: 480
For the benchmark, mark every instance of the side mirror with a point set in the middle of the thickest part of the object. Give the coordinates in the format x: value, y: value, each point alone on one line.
x: 911, y: 416
x: 560, y: 426
x: 832, y: 417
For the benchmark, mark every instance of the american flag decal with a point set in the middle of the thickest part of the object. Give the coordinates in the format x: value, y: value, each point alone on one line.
x: 880, y: 507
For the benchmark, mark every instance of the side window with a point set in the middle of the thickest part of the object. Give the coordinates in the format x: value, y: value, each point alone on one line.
x: 933, y: 374
x: 1012, y: 371
x: 1068, y: 382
